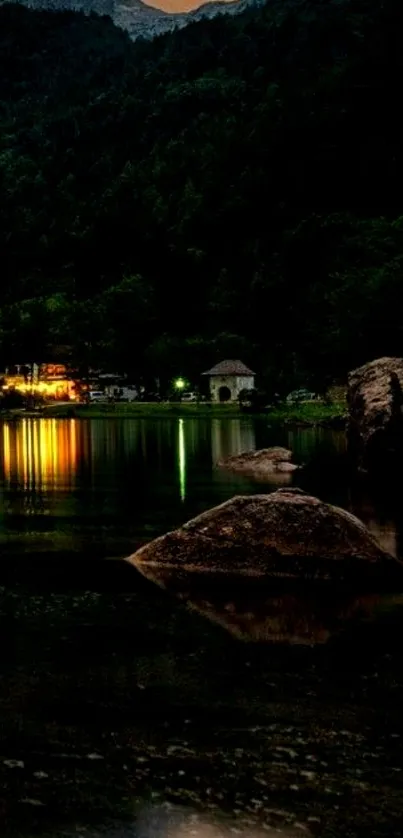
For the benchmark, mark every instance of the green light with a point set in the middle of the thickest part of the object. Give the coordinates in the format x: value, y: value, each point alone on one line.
x: 182, y: 460
x: 179, y: 383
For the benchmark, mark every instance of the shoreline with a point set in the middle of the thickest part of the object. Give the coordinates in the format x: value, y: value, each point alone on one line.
x: 304, y: 415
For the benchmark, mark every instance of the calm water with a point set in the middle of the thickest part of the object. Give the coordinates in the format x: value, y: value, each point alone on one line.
x: 99, y: 488
x: 128, y: 712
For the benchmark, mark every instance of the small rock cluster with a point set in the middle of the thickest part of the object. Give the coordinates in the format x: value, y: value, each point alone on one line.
x: 262, y: 463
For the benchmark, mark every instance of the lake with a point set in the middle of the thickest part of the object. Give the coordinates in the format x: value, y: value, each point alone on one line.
x: 125, y: 711
x: 99, y: 488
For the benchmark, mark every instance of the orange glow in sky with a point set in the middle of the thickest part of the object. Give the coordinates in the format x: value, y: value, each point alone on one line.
x: 178, y: 5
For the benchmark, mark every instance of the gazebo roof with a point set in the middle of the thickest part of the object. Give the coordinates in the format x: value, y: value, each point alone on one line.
x: 230, y: 368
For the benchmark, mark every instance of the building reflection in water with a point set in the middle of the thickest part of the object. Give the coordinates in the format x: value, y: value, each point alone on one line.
x: 45, y: 453
x: 231, y: 437
x: 39, y: 453
x: 227, y: 438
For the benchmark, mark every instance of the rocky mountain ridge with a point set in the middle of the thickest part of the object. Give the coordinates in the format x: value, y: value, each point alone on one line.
x: 138, y: 19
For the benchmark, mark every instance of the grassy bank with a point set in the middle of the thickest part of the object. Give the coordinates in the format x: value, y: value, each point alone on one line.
x: 310, y: 413
x: 145, y: 409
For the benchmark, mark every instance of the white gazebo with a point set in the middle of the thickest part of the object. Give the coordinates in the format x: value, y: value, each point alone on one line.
x: 227, y: 379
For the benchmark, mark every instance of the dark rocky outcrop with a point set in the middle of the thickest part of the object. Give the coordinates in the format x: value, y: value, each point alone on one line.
x: 286, y: 535
x: 262, y: 464
x: 375, y: 422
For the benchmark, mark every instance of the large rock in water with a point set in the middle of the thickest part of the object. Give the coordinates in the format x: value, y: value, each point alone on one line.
x: 286, y: 535
x: 375, y: 423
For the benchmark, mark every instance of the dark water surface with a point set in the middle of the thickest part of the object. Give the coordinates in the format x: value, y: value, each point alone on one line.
x: 99, y: 488
x: 126, y: 712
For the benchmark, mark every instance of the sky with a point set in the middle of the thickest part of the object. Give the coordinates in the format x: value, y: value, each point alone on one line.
x: 177, y: 5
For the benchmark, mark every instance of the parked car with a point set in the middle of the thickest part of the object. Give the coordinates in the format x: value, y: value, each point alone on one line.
x: 123, y: 394
x: 302, y: 395
x: 189, y: 397
x: 252, y: 401
x: 95, y: 396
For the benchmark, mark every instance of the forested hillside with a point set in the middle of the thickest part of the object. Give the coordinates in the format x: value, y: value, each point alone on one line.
x: 234, y: 188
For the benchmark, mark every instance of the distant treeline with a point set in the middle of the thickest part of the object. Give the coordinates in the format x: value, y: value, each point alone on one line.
x: 233, y: 189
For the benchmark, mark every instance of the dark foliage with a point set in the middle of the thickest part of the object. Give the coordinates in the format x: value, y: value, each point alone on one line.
x: 232, y: 189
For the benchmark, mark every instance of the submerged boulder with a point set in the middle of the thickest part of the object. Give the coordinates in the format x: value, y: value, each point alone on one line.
x: 375, y: 421
x: 284, y: 535
x: 263, y: 463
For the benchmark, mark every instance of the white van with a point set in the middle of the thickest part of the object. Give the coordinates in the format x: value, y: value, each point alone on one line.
x: 97, y: 396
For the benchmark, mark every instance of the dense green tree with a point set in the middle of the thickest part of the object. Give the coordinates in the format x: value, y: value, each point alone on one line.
x: 233, y: 188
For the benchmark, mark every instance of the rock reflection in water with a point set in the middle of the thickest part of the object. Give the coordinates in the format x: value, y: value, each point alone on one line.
x: 252, y: 611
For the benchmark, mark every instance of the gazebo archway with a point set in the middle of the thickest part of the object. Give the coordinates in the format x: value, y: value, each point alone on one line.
x: 224, y: 394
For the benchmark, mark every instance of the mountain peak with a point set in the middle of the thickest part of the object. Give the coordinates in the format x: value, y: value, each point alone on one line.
x: 137, y: 18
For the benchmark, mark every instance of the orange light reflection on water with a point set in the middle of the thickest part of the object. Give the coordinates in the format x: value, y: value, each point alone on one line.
x: 35, y: 453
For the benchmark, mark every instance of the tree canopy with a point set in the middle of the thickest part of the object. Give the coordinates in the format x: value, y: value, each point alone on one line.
x: 232, y: 188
